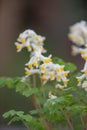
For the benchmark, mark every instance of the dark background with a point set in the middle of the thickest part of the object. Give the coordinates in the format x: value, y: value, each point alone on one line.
x: 50, y: 18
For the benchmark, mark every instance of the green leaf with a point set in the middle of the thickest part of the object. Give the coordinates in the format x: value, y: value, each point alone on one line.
x: 17, y: 115
x: 6, y: 81
x: 14, y: 119
x: 10, y: 82
x: 76, y: 108
x: 29, y: 91
x: 2, y: 81
x: 16, y: 83
x: 72, y: 80
x: 33, y: 122
x: 20, y: 86
x: 60, y: 100
x: 68, y: 66
x: 12, y: 113
x: 33, y: 112
x: 57, y: 60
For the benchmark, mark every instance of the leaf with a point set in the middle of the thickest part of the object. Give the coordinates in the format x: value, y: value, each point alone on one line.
x: 17, y: 115
x: 33, y: 112
x: 57, y: 60
x: 76, y: 108
x: 16, y: 83
x: 68, y: 66
x: 2, y: 81
x: 29, y: 91
x: 12, y: 113
x: 10, y: 82
x: 72, y: 80
x: 58, y: 100
x: 20, y: 86
x: 6, y: 81
x: 14, y: 119
x: 28, y: 120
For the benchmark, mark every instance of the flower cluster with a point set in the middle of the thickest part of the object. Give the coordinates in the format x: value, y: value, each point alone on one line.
x: 78, y: 35
x: 30, y: 40
x: 38, y: 63
x: 51, y: 71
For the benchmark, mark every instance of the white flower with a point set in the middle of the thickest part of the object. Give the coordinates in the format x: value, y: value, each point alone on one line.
x: 31, y: 41
x: 39, y: 63
x: 47, y: 72
x: 51, y: 71
x: 61, y: 87
x: 33, y: 62
x: 27, y: 33
x: 83, y: 76
x: 83, y: 52
x: 37, y: 58
x: 51, y: 96
x: 75, y: 50
x: 31, y: 71
x: 78, y: 33
x: 18, y: 46
x: 84, y: 85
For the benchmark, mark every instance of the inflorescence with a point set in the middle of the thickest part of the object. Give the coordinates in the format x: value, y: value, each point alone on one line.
x: 78, y: 35
x: 38, y: 63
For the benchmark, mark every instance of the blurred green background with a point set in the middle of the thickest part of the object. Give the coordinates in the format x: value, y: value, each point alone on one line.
x: 50, y: 18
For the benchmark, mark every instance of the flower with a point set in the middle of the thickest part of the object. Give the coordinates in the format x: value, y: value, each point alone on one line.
x: 30, y: 40
x: 83, y: 52
x: 37, y: 58
x: 75, y: 50
x: 51, y: 96
x: 51, y: 71
x: 61, y: 87
x: 38, y: 63
x: 78, y: 50
x: 78, y: 33
x: 29, y: 72
x: 83, y: 76
x: 84, y: 85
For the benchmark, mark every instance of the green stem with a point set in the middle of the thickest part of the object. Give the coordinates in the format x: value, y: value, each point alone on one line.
x: 82, y: 122
x: 26, y: 125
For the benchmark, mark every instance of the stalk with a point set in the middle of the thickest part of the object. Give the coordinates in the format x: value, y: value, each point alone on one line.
x: 84, y: 121
x: 47, y: 125
x: 26, y: 125
x: 69, y: 120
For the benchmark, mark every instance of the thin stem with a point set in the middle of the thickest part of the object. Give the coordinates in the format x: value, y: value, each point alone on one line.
x: 34, y: 81
x: 46, y: 124
x: 69, y: 120
x: 84, y: 120
x: 26, y: 125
